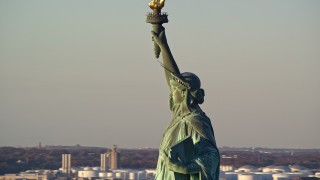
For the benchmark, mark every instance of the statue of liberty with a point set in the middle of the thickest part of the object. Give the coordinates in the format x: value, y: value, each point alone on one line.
x: 188, y: 150
x: 202, y: 159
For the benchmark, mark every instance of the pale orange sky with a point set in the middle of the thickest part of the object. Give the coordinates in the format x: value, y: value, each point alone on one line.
x: 83, y: 72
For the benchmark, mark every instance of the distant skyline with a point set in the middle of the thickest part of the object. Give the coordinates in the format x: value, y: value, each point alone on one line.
x: 83, y: 72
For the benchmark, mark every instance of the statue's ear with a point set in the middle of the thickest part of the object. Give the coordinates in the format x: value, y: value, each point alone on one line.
x: 190, y: 99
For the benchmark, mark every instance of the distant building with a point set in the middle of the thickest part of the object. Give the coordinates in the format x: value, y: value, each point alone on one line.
x: 119, y: 174
x: 66, y: 163
x: 110, y: 160
x: 247, y: 168
x: 29, y: 176
x: 226, y: 168
x: 104, y: 162
x: 114, y: 158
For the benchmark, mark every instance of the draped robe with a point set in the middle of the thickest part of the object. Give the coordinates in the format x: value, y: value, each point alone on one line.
x: 205, y: 165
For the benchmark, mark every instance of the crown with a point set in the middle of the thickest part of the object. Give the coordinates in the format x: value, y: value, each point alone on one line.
x: 180, y: 81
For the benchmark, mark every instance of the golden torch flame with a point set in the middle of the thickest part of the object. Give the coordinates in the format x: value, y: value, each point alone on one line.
x: 156, y: 5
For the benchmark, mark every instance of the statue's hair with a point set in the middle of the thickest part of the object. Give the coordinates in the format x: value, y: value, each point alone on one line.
x: 191, y: 83
x: 197, y: 96
x: 195, y: 90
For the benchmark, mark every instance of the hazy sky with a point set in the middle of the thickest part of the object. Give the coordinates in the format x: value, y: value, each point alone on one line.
x: 83, y: 72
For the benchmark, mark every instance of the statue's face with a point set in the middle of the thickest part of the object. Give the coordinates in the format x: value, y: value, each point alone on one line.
x: 177, y: 95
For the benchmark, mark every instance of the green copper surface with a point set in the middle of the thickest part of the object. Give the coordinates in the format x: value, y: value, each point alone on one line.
x: 188, y: 150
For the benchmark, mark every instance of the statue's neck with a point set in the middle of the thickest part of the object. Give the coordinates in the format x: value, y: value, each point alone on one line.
x: 182, y: 110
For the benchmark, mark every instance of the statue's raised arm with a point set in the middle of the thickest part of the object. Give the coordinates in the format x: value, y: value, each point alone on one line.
x: 157, y: 18
x: 169, y: 63
x: 188, y: 149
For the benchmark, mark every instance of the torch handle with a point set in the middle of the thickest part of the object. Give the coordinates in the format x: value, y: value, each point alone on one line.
x: 157, y: 28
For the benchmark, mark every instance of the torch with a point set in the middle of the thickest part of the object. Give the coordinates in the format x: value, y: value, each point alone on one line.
x: 157, y: 18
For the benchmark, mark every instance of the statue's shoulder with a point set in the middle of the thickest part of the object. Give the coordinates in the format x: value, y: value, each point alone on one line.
x: 201, y: 124
x: 198, y: 119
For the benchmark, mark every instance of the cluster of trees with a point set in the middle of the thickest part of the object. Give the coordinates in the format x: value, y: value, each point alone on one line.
x: 15, y: 160
x: 309, y: 159
x: 139, y: 159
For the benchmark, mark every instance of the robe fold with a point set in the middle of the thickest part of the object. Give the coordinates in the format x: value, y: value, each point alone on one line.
x: 205, y: 165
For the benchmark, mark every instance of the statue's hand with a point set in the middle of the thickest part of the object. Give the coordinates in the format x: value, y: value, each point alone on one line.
x: 174, y: 165
x: 160, y: 39
x: 178, y: 167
